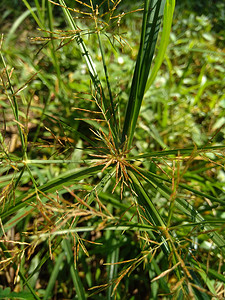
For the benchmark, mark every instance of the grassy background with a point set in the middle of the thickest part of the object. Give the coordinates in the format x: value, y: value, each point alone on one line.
x: 184, y: 107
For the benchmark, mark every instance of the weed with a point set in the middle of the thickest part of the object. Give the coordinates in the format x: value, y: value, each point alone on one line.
x: 114, y: 213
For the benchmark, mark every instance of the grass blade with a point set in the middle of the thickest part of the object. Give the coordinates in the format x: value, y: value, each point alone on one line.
x: 112, y: 270
x: 153, y: 14
x: 177, y: 152
x: 167, y: 24
x: 152, y: 215
x: 74, y: 272
x: 53, y: 277
x: 39, y: 23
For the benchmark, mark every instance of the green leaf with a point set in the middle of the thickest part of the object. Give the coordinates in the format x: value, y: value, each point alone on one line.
x: 73, y: 271
x: 153, y: 13
x: 150, y: 211
x: 53, y: 277
x: 167, y: 24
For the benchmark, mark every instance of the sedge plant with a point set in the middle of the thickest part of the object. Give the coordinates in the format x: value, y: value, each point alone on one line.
x: 118, y: 194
